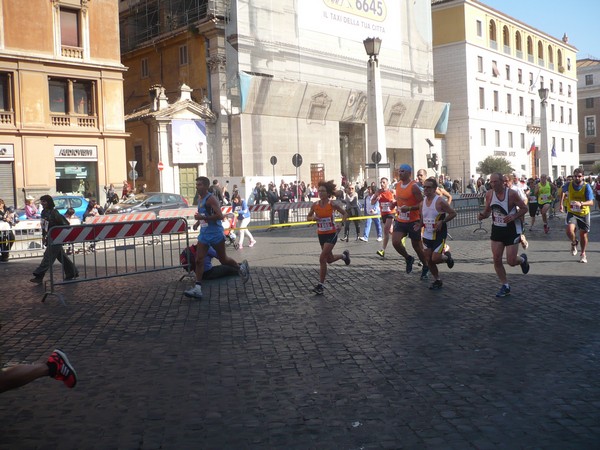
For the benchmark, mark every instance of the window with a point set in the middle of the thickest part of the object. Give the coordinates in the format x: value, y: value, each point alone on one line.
x: 530, y: 79
x: 570, y: 116
x: 139, y: 167
x: 6, y: 92
x: 532, y: 109
x: 479, y: 26
x: 542, y: 82
x: 552, y: 115
x: 481, y: 98
x: 497, y: 137
x: 479, y: 64
x: 68, y: 96
x: 562, y: 145
x: 591, y: 148
x: 510, y: 139
x: 551, y: 85
x: 69, y: 28
x: 496, y: 102
x: 522, y: 140
x: 509, y: 103
x: 569, y: 90
x: 589, y: 79
x: 571, y: 145
x: 590, y: 126
x: 589, y: 102
x: 183, y: 55
x: 483, y: 139
x: 507, y: 72
x: 520, y: 76
x: 493, y: 38
x: 562, y: 115
x: 560, y: 88
x: 495, y: 71
x: 521, y: 106
x: 144, y: 69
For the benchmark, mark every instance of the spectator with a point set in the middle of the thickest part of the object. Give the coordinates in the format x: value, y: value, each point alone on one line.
x: 93, y: 209
x: 272, y: 198
x: 215, y: 189
x: 7, y: 236
x: 31, y: 211
x: 126, y: 190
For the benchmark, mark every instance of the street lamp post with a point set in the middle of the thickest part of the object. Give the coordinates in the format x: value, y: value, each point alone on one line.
x: 544, y: 152
x: 375, y: 125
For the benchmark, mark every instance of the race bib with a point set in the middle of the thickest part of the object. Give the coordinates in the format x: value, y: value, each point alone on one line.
x: 325, y: 224
x: 498, y: 219
x: 403, y: 215
x: 575, y: 207
x: 429, y: 225
x: 544, y: 197
x: 532, y: 198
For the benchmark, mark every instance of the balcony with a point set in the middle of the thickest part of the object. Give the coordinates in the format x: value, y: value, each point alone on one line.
x: 7, y: 118
x: 74, y: 121
x: 534, y: 125
x: 72, y: 52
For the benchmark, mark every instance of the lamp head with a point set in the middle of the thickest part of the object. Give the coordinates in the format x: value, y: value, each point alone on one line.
x: 429, y: 142
x: 372, y: 47
x: 543, y: 93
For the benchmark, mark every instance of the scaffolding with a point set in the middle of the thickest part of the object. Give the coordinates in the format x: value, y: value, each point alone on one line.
x: 141, y: 21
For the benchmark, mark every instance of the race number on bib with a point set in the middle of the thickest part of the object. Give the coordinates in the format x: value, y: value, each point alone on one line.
x: 325, y: 224
x: 498, y: 219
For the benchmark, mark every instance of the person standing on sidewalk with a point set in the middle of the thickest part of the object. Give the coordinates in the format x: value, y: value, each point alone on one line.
x: 502, y: 202
x: 52, y: 218
x: 353, y: 210
x: 435, y: 213
x: 371, y: 209
x: 212, y: 234
x: 579, y: 198
x: 322, y: 212
x: 387, y: 205
x: 408, y: 203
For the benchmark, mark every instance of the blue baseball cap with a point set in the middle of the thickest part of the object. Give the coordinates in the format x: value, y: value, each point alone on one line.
x: 406, y: 168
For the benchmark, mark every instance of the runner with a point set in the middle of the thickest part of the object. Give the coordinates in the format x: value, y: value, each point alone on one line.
x: 513, y: 182
x: 322, y: 213
x: 211, y: 234
x: 435, y: 213
x: 532, y: 203
x: 502, y: 202
x: 387, y: 205
x: 545, y: 193
x: 579, y: 197
x: 408, y: 200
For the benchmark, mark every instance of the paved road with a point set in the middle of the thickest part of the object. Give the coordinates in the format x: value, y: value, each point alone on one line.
x: 380, y: 361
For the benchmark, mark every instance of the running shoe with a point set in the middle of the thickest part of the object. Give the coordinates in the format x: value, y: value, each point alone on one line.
x: 409, y: 264
x: 503, y: 292
x: 346, y: 254
x: 436, y: 285
x: 381, y: 253
x: 195, y: 292
x: 252, y: 242
x: 424, y: 272
x: 363, y: 239
x: 583, y: 258
x: 574, y: 247
x: 379, y: 239
x: 319, y: 289
x: 37, y: 280
x: 524, y: 264
x: 244, y: 271
x: 546, y: 228
x: 61, y: 369
x: 450, y: 260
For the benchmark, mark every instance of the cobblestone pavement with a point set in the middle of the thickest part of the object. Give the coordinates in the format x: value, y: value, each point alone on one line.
x: 379, y: 361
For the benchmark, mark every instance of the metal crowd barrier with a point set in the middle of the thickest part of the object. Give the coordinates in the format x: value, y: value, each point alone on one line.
x: 467, y: 210
x: 118, y: 249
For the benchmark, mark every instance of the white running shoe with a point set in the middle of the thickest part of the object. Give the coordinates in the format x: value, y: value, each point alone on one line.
x: 195, y: 292
x: 244, y: 271
x: 583, y: 258
x: 252, y: 242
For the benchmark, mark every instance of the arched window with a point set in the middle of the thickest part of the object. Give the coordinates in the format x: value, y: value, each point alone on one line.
x: 506, y: 39
x: 559, y: 60
x: 550, y: 57
x: 493, y: 39
x: 518, y: 42
x: 530, y: 49
x: 540, y: 53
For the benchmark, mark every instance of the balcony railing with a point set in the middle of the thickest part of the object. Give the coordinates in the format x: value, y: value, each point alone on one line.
x: 7, y: 118
x: 74, y: 121
x: 72, y: 52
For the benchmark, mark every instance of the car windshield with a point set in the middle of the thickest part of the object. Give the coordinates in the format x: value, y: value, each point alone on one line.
x: 139, y: 198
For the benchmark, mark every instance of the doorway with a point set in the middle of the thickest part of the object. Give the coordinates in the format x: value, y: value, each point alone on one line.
x: 187, y: 181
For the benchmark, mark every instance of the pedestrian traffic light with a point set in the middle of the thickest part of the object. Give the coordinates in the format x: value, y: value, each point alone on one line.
x: 432, y: 161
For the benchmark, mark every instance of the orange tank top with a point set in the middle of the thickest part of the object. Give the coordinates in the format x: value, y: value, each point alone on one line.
x: 325, y: 220
x: 387, y: 203
x: 405, y: 197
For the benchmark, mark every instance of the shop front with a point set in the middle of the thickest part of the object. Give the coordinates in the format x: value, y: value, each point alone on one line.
x: 7, y: 180
x: 76, y: 169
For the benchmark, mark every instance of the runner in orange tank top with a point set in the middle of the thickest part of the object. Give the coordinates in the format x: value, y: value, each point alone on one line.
x: 408, y: 200
x: 387, y: 206
x: 322, y: 212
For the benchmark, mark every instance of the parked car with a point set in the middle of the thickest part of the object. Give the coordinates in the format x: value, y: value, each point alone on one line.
x: 148, y: 202
x: 64, y: 202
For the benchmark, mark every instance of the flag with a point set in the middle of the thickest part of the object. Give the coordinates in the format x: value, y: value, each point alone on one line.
x: 553, y: 151
x: 532, y: 148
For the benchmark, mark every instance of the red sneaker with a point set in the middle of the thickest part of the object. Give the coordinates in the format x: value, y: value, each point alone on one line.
x: 61, y: 369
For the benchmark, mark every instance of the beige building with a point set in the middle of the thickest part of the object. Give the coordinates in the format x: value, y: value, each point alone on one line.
x: 491, y: 67
x: 588, y: 94
x: 61, y: 98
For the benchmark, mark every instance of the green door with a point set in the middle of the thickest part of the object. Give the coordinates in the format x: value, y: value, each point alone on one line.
x: 187, y: 181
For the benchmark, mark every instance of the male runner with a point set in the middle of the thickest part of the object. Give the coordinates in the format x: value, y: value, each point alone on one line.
x: 579, y: 197
x: 387, y: 205
x: 545, y: 192
x: 408, y: 201
x: 502, y: 202
x: 435, y: 213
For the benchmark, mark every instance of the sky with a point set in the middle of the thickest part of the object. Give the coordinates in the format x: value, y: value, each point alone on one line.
x: 578, y: 18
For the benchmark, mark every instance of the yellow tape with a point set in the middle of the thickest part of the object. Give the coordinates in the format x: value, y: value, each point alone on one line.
x: 295, y: 224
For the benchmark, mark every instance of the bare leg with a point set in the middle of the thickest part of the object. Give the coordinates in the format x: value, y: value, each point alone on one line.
x: 497, y: 253
x: 22, y: 374
x: 222, y: 256
x: 397, y: 237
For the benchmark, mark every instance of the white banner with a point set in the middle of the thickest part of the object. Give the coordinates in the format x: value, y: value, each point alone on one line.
x: 354, y: 20
x: 189, y: 141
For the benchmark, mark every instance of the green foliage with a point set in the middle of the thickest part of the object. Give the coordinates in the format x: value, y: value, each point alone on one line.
x: 596, y: 168
x: 493, y: 164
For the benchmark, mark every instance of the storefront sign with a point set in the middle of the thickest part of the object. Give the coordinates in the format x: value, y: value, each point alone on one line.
x: 76, y: 152
x: 7, y: 152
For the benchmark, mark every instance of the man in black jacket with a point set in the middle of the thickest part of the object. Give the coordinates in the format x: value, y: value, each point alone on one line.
x: 52, y: 218
x: 272, y: 198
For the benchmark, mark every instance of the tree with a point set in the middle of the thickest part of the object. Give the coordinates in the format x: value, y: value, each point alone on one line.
x: 596, y: 168
x: 493, y: 164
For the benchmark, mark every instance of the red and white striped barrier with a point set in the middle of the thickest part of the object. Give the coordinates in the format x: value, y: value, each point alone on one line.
x: 292, y: 205
x: 472, y: 195
x: 112, y: 218
x: 101, y: 232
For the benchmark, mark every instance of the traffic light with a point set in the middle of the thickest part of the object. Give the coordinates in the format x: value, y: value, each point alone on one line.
x: 432, y: 161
